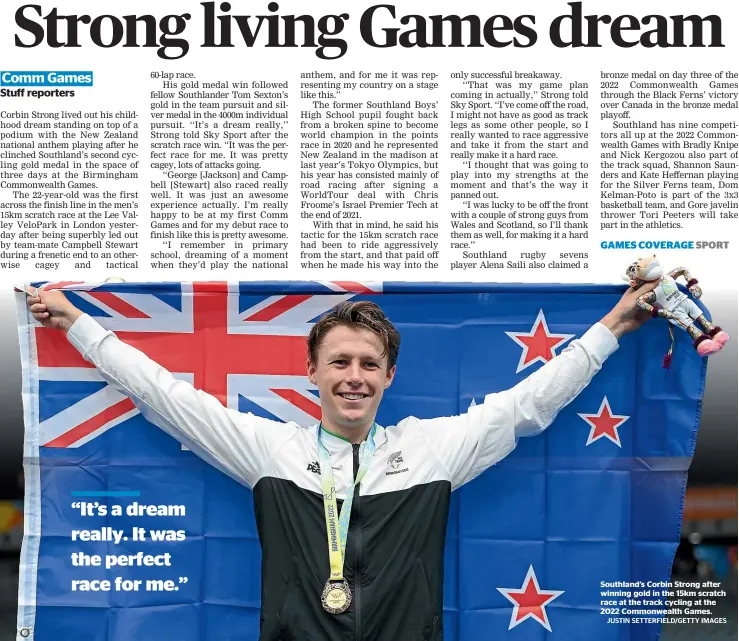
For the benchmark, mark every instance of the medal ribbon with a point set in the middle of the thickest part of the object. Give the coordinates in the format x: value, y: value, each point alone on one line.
x: 337, y: 524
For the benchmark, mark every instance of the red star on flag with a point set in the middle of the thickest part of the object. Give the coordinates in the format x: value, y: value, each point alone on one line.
x: 529, y: 601
x: 539, y: 344
x: 604, y: 423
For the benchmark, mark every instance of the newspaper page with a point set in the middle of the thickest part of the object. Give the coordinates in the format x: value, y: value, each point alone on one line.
x: 351, y: 144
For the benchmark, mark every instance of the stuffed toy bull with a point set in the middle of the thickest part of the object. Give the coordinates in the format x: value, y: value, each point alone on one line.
x: 667, y: 301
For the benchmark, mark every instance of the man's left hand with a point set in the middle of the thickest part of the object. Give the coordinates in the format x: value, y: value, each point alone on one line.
x: 627, y: 316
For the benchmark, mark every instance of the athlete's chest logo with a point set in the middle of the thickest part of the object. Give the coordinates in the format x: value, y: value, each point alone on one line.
x: 395, y: 463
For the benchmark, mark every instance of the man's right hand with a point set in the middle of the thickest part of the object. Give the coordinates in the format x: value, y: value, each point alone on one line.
x: 52, y: 308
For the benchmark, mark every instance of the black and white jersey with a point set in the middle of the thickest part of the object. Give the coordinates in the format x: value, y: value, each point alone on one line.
x: 395, y: 547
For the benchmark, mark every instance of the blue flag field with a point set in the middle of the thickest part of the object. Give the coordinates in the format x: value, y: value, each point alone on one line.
x: 551, y: 543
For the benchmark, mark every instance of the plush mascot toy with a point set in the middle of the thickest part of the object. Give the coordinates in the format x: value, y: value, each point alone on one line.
x: 667, y: 301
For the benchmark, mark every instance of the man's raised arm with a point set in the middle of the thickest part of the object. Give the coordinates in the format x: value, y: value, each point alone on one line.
x: 238, y: 444
x: 469, y: 443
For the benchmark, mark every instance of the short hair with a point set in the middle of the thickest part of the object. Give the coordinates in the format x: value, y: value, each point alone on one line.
x: 357, y: 315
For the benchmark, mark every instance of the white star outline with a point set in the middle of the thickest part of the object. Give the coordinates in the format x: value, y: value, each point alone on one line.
x: 586, y: 417
x: 540, y: 318
x: 552, y: 594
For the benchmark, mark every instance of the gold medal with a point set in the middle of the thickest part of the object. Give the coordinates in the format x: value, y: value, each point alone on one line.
x: 336, y: 597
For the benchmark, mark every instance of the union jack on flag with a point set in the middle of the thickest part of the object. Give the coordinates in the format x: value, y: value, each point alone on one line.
x: 255, y: 342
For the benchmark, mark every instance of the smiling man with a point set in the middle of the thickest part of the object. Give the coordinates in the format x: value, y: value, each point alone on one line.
x: 351, y: 515
x: 351, y: 358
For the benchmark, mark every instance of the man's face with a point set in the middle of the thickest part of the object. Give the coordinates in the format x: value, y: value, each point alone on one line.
x: 351, y: 374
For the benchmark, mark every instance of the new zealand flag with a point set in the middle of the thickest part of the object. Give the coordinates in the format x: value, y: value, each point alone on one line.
x: 553, y: 542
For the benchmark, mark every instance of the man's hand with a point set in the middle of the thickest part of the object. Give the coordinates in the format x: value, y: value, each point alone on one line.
x: 52, y: 309
x: 626, y: 316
